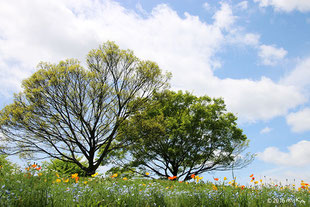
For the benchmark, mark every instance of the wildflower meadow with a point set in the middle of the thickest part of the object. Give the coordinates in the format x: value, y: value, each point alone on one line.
x: 36, y: 186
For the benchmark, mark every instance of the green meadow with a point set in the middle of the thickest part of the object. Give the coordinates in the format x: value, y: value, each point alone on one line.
x: 36, y: 186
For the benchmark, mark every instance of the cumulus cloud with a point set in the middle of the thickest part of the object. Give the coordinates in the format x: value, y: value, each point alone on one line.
x: 140, y: 9
x: 299, y: 121
x: 270, y: 55
x: 243, y: 5
x: 265, y: 130
x: 300, y: 75
x: 298, y: 155
x: 224, y: 18
x: 53, y: 30
x: 253, y: 100
x: 206, y: 6
x: 286, y: 5
x: 251, y: 39
x: 243, y: 38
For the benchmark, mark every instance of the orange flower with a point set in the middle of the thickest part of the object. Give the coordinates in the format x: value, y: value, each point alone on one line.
x: 38, y: 168
x: 34, y: 165
x: 216, y: 179
x: 172, y: 178
x: 75, y: 175
x: 252, y: 175
x: 242, y: 187
x: 180, y: 181
x: 193, y: 176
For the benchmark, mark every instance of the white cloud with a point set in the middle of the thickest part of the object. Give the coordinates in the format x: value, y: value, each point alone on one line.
x: 224, y: 17
x: 300, y: 75
x: 286, y: 5
x: 140, y: 9
x: 270, y: 55
x: 248, y: 39
x: 243, y: 5
x: 265, y: 130
x: 206, y: 6
x: 298, y: 155
x: 256, y: 100
x: 52, y: 30
x: 299, y: 121
x: 251, y: 39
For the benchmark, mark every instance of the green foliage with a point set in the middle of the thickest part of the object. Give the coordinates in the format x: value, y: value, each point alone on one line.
x: 6, y: 166
x: 179, y: 134
x: 66, y: 111
x: 64, y: 168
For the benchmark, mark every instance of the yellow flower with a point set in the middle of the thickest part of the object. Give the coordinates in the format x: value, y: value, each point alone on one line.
x: 125, y: 178
x: 75, y: 175
x: 225, y: 178
x: 67, y: 180
x: 94, y: 175
x: 39, y: 174
x: 57, y: 175
x: 147, y: 173
x: 198, y: 178
x: 256, y: 182
x: 85, y: 182
x: 261, y: 180
x: 58, y: 180
x: 114, y: 175
x: 214, y: 187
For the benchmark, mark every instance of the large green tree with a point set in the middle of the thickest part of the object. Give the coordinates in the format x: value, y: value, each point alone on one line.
x: 66, y: 111
x: 180, y: 134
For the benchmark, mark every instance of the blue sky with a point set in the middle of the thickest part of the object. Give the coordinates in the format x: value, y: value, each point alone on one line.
x: 255, y: 54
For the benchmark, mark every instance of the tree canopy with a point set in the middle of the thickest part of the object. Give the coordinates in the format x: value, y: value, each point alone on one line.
x: 179, y: 134
x: 65, y: 111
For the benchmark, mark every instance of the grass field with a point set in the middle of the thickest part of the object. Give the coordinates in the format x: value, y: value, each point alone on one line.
x: 35, y: 186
